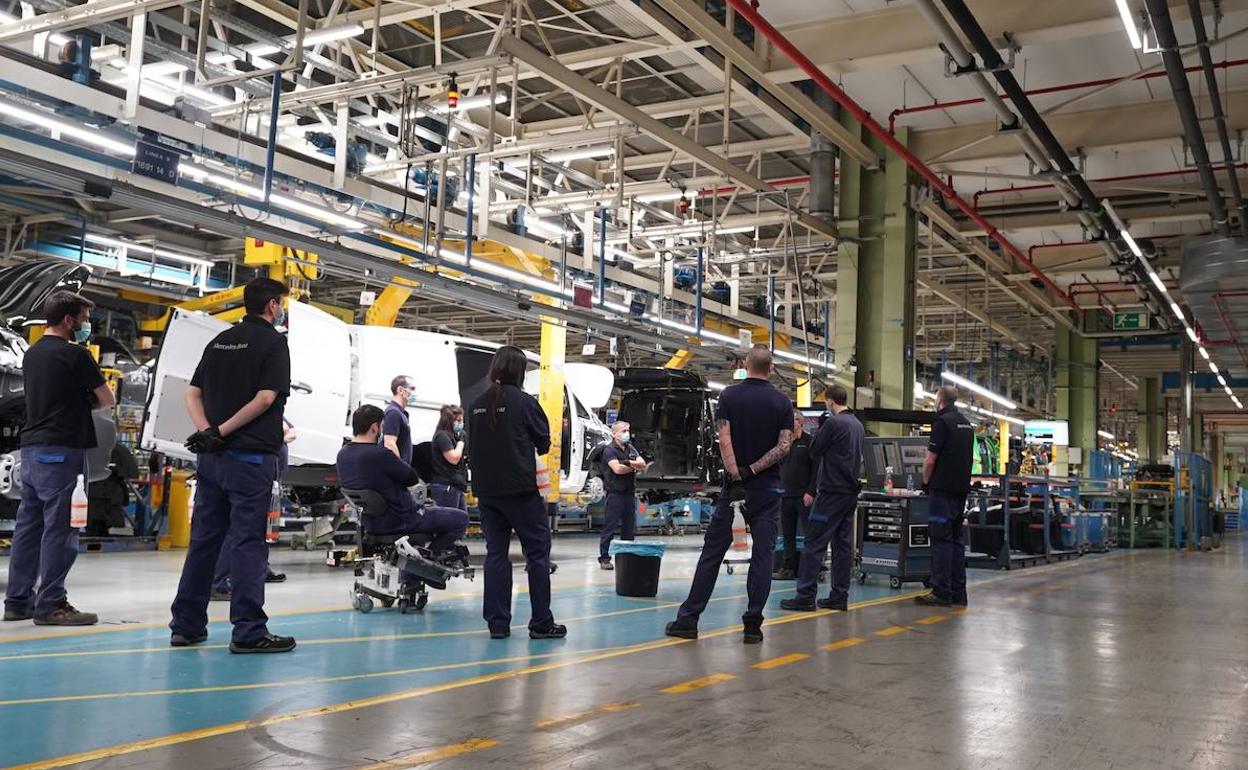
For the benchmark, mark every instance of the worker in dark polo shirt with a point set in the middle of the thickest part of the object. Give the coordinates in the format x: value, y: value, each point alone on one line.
x: 838, y: 448
x: 621, y: 463
x: 798, y: 473
x: 754, y: 422
x: 396, y: 428
x: 62, y: 385
x: 236, y: 400
x: 947, y: 476
x: 363, y: 464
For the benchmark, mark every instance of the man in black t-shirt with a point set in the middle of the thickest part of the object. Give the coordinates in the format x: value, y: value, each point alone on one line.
x: 236, y: 400
x: 621, y: 463
x: 62, y: 385
x: 754, y: 422
x: 947, y: 476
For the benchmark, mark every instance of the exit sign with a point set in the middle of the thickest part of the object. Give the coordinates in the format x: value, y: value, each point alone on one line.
x: 1130, y: 321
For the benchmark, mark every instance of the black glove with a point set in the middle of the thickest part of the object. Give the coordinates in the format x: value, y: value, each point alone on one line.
x: 736, y: 492
x: 205, y: 442
x: 744, y: 472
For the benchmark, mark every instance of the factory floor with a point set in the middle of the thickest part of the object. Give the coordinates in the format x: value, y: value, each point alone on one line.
x: 1124, y: 660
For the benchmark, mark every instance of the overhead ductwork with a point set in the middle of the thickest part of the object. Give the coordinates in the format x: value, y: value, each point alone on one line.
x: 822, y: 165
x: 1214, y: 282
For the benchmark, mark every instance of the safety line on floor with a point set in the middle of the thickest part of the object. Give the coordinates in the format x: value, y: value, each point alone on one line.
x: 377, y: 700
x: 567, y: 720
x: 702, y: 682
x: 434, y: 755
x: 783, y: 660
x: 339, y: 640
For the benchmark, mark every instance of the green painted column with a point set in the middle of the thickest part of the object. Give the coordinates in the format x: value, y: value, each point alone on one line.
x: 1150, y: 430
x: 1077, y: 373
x: 876, y: 324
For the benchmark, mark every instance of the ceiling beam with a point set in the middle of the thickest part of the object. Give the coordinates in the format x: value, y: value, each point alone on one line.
x: 1121, y: 128
x: 899, y: 35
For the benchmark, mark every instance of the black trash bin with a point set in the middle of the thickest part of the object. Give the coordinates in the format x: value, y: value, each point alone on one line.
x: 637, y: 564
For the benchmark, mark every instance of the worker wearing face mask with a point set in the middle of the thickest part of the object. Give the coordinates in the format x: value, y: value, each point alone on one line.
x: 621, y: 463
x: 450, y: 472
x: 62, y: 385
x: 236, y: 401
x: 396, y: 428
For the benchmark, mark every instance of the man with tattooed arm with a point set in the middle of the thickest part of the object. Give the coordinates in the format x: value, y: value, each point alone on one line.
x: 755, y: 425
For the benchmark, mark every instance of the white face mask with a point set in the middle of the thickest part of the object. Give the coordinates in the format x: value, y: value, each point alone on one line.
x: 625, y: 437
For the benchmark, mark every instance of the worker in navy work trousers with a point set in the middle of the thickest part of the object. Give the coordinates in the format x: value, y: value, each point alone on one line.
x: 236, y: 400
x: 622, y: 463
x: 755, y: 425
x: 62, y: 385
x: 838, y: 449
x: 798, y: 473
x: 947, y: 476
x: 507, y: 430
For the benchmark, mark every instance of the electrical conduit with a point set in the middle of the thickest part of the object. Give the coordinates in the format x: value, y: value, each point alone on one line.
x: 782, y: 43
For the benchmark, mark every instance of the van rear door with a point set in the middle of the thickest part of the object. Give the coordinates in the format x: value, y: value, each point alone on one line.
x: 669, y: 416
x: 166, y: 424
x: 320, y: 384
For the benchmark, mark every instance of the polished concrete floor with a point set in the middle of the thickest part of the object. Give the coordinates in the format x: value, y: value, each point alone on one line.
x: 1126, y: 660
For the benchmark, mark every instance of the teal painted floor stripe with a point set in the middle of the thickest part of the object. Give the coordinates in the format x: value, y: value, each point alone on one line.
x: 102, y: 722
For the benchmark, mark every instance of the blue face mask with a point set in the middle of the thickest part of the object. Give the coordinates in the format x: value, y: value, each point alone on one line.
x: 280, y: 318
x: 83, y: 333
x: 625, y: 436
x: 459, y: 427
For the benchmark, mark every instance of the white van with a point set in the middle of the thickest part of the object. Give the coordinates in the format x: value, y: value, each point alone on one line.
x: 335, y: 367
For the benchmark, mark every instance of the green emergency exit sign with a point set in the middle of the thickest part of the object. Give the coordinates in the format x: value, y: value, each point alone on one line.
x: 1124, y: 322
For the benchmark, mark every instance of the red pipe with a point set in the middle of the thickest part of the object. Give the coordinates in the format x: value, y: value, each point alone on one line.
x: 747, y: 12
x: 1123, y: 178
x: 892, y: 116
x: 792, y: 181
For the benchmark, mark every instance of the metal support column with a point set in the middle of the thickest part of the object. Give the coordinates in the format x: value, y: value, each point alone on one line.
x: 602, y: 256
x: 471, y: 177
x: 271, y: 151
x: 697, y: 294
x: 771, y: 312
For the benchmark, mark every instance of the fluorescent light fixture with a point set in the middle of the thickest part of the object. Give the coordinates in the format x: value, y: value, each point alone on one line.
x: 1156, y: 279
x: 1227, y: 388
x: 579, y: 153
x: 1128, y: 21
x: 981, y: 390
x: 1131, y: 244
x: 1178, y: 311
x: 77, y: 131
x: 202, y: 94
x: 802, y: 359
x: 1191, y: 333
x: 1205, y: 355
x: 1222, y: 381
x: 1213, y: 367
x: 546, y: 229
x: 145, y: 248
x: 1105, y: 435
x: 920, y: 393
x: 716, y: 386
x: 989, y: 413
x: 316, y: 37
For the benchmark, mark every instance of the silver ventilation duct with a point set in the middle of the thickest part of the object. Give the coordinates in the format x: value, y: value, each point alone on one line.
x: 1214, y: 280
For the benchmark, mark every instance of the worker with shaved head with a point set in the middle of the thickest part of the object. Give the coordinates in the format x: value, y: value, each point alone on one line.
x: 947, y: 476
x: 754, y: 422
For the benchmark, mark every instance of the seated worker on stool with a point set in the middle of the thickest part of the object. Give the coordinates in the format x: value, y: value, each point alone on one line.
x: 838, y: 448
x: 798, y: 473
x: 365, y: 464
x: 623, y: 463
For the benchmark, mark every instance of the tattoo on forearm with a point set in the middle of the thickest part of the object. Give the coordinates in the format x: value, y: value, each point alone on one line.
x: 775, y: 454
x: 724, y: 431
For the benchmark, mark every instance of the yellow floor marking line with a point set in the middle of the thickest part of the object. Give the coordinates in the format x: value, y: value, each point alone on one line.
x: 568, y: 720
x: 294, y: 682
x: 697, y: 684
x: 783, y: 660
x: 367, y: 639
x: 93, y: 630
x: 235, y: 727
x: 892, y: 631
x: 435, y: 755
x: 933, y: 619
x: 852, y: 641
